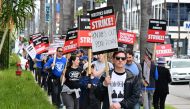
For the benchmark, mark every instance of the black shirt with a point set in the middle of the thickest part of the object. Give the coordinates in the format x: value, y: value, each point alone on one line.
x: 72, y: 77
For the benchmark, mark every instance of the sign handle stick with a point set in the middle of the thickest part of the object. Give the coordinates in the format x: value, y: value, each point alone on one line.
x: 63, y: 74
x: 154, y: 53
x: 89, y: 61
x: 54, y: 59
x: 107, y: 74
x: 116, y: 17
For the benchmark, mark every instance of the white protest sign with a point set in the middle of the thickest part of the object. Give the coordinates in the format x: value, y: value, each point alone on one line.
x: 103, y: 30
x: 31, y: 51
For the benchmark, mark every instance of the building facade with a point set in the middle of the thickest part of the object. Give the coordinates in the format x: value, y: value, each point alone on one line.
x: 165, y: 10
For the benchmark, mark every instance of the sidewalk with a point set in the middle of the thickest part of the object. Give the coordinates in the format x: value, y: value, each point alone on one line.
x: 177, y: 102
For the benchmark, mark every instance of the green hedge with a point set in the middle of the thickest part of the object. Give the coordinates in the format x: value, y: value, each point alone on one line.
x: 13, y: 59
x: 21, y: 92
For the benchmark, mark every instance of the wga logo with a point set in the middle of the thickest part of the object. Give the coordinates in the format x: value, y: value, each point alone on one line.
x: 59, y: 66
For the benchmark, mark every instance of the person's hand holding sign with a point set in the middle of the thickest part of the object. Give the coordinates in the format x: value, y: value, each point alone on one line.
x: 52, y: 65
x: 107, y: 81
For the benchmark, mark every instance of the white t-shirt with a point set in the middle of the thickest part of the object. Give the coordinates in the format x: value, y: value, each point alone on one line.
x: 117, y: 86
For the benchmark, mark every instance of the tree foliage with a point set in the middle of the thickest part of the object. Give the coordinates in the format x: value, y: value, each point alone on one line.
x: 15, y: 13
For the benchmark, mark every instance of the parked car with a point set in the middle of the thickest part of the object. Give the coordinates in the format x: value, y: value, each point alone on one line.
x: 180, y: 70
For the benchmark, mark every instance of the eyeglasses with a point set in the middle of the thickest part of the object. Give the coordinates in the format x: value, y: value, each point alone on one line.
x: 120, y: 58
x: 59, y: 51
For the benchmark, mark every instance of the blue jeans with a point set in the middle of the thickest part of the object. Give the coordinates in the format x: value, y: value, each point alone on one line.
x: 137, y: 106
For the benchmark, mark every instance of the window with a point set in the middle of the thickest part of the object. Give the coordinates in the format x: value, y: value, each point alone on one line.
x: 173, y: 15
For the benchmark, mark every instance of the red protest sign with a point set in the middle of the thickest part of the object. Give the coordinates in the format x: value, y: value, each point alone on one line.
x: 164, y: 50
x: 156, y: 31
x: 52, y: 50
x: 45, y: 40
x: 84, y: 38
x: 126, y: 37
x: 38, y: 43
x: 103, y: 22
x: 70, y: 41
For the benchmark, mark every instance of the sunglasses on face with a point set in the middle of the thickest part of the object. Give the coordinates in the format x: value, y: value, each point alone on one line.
x: 60, y: 51
x: 120, y: 58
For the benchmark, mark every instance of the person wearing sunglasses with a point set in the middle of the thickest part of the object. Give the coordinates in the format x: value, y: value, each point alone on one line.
x: 122, y: 82
x: 57, y: 71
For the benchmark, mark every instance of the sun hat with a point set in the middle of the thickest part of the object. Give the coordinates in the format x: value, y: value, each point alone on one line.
x: 161, y: 60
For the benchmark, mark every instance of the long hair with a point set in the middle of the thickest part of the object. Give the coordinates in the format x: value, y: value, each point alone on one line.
x: 71, y: 59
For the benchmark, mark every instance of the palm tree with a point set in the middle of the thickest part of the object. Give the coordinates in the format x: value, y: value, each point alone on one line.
x: 84, y: 5
x: 0, y: 6
x: 51, y: 21
x: 54, y: 17
x: 68, y: 15
x: 146, y: 14
x: 34, y: 24
x: 117, y: 5
x: 61, y: 18
x: 14, y: 13
x: 42, y: 16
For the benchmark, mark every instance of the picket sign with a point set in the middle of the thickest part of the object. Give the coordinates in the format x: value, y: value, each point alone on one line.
x: 85, y: 38
x: 164, y: 50
x: 104, y: 35
x: 31, y: 51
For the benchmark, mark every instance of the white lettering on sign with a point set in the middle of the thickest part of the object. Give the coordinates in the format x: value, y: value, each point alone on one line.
x: 125, y: 37
x: 85, y: 40
x: 72, y: 32
x: 72, y: 37
x: 155, y: 27
x: 158, y: 22
x: 155, y: 37
x: 109, y: 11
x: 166, y: 51
x: 102, y: 23
x: 85, y: 19
x: 35, y: 39
x: 40, y: 49
x: 73, y: 46
x: 100, y: 13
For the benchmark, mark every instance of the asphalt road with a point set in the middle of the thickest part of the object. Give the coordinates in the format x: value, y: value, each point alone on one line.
x: 179, y: 96
x: 181, y: 90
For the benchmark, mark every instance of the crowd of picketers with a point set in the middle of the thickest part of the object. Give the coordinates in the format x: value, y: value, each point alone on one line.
x: 67, y: 80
